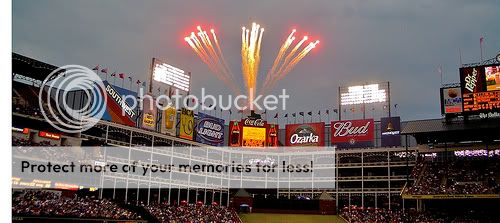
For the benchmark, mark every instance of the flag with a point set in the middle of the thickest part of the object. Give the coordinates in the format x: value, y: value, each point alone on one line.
x: 96, y: 67
x: 336, y: 111
x: 301, y: 113
x: 395, y: 105
x: 293, y: 114
x: 138, y: 82
x: 327, y: 111
x: 286, y: 115
x: 230, y: 112
x: 264, y: 112
x: 276, y: 116
x: 105, y: 70
x: 121, y: 75
x: 159, y: 89
x: 319, y: 112
x: 310, y: 113
x: 130, y: 79
x: 113, y: 74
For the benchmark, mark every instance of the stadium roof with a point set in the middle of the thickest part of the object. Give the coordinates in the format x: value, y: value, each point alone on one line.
x: 438, y: 129
x: 31, y: 68
x: 242, y: 193
x: 439, y: 125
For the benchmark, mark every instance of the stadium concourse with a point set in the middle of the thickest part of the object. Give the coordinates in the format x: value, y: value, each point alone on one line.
x: 440, y: 170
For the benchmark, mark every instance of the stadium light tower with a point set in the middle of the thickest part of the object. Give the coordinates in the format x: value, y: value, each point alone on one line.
x: 364, y: 94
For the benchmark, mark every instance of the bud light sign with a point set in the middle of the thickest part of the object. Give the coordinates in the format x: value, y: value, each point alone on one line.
x: 352, y: 133
x: 210, y: 130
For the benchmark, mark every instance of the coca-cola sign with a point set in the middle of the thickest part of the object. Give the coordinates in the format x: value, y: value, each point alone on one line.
x: 254, y: 122
x: 307, y: 134
x: 352, y: 133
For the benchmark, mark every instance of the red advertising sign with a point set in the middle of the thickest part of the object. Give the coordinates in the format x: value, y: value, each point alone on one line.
x: 272, y: 135
x: 234, y: 138
x: 307, y: 134
x: 352, y: 133
x: 49, y: 135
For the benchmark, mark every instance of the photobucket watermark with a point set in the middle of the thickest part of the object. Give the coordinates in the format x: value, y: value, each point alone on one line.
x: 58, y: 105
x: 207, y: 102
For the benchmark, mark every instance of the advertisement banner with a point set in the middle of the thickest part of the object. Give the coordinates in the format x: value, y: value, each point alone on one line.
x: 480, y: 90
x: 352, y: 133
x: 253, y: 137
x: 148, y: 114
x: 306, y: 134
x: 169, y: 120
x: 390, y: 128
x: 272, y: 131
x: 186, y: 124
x: 118, y: 107
x: 451, y: 100
x: 210, y: 130
x: 234, y: 138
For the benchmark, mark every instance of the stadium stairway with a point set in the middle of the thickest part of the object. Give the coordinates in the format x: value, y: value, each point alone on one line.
x: 140, y: 211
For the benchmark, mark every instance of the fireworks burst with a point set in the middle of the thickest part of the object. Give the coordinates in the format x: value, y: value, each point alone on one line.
x: 251, y: 40
x: 284, y: 62
x: 202, y: 45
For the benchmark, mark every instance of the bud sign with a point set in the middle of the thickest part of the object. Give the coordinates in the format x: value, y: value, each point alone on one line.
x: 352, y: 133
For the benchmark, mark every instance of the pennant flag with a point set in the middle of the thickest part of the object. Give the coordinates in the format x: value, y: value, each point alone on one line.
x: 121, y: 75
x: 96, y: 67
x: 230, y: 112
x: 130, y: 78
x: 293, y: 114
x: 395, y: 105
x: 113, y: 74
x: 310, y: 113
x: 138, y: 82
x: 105, y: 70
x: 327, y: 111
x: 319, y: 112
x: 286, y: 115
x: 276, y: 116
x: 336, y: 111
x: 301, y: 113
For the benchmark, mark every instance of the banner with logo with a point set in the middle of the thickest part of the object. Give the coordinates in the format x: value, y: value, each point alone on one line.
x: 118, y: 106
x: 148, y: 113
x: 168, y: 122
x: 306, y: 134
x: 210, y: 130
x: 234, y: 138
x: 390, y: 128
x: 272, y: 131
x: 186, y: 128
x: 352, y: 133
x: 253, y: 133
x: 451, y: 100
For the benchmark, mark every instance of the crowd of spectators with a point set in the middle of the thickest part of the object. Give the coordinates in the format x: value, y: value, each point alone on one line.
x: 47, y: 203
x: 455, y: 177
x: 374, y: 215
x: 192, y: 213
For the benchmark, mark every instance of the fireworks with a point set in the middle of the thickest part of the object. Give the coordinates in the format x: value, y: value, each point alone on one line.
x: 284, y: 62
x: 251, y: 40
x: 250, y: 57
x: 202, y: 45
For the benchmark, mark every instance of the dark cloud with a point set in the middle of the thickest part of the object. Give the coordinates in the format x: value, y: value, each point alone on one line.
x: 361, y: 41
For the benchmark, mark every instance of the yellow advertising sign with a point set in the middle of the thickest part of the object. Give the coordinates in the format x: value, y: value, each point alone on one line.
x: 169, y: 120
x: 187, y: 124
x: 254, y: 136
